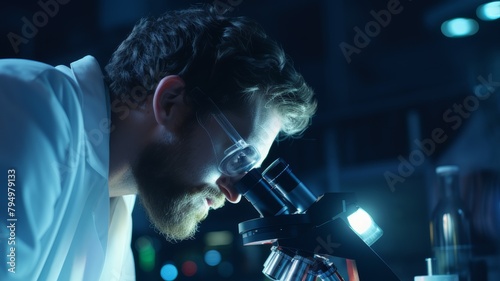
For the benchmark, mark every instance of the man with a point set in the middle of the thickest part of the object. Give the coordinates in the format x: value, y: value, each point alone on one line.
x: 191, y: 101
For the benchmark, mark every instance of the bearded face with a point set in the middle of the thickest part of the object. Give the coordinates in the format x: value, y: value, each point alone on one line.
x: 174, y: 205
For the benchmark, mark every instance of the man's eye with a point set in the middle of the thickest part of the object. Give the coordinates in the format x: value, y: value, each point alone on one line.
x: 240, y: 157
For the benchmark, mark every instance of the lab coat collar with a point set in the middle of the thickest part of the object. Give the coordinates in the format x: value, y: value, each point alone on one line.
x: 96, y: 112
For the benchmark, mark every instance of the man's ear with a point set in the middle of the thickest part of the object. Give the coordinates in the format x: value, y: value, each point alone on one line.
x: 169, y: 106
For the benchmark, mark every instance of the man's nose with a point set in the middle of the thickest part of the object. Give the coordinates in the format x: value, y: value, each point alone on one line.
x: 226, y: 185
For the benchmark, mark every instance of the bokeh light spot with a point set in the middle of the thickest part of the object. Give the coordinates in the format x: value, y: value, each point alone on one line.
x: 169, y: 272
x: 212, y: 257
x: 189, y: 268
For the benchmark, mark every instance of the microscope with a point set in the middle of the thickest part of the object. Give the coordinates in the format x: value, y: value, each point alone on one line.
x: 306, y: 231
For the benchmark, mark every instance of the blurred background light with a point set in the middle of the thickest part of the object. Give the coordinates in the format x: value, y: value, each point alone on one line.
x: 459, y: 27
x: 483, y: 91
x: 169, y: 272
x: 212, y: 257
x: 146, y: 253
x: 225, y: 269
x: 218, y: 238
x: 489, y: 11
x: 189, y: 268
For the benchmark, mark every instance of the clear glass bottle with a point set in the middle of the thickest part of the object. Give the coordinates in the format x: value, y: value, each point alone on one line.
x: 450, y: 227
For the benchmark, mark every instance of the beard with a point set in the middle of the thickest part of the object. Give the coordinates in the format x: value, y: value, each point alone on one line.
x: 174, y: 207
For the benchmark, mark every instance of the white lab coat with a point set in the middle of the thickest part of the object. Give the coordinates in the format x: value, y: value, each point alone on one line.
x: 55, y: 137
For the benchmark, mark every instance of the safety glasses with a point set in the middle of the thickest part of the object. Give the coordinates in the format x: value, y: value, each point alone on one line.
x: 240, y: 157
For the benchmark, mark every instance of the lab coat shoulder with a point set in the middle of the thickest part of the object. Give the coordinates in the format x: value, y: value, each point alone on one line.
x: 41, y: 120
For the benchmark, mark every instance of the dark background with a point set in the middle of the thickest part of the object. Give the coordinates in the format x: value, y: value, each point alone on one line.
x: 372, y: 112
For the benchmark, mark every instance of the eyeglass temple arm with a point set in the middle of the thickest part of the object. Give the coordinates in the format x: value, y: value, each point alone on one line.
x: 222, y: 120
x: 229, y: 129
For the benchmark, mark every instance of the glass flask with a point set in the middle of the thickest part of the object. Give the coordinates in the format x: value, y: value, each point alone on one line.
x: 449, y: 227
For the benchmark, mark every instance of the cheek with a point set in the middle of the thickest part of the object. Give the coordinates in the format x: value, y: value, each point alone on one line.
x: 200, y: 159
x: 205, y: 168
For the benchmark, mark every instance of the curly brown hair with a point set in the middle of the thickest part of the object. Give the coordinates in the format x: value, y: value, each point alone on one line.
x: 230, y: 58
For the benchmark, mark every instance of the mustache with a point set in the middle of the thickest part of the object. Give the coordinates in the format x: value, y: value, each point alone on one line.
x: 214, y: 194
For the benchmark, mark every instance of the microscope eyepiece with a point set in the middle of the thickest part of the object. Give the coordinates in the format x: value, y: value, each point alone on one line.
x: 280, y: 176
x: 258, y: 192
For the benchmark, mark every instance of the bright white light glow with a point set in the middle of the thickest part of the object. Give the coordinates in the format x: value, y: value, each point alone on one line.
x: 459, y: 27
x: 489, y: 11
x: 362, y: 223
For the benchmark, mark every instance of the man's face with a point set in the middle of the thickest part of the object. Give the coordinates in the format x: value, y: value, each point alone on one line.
x: 179, y: 181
